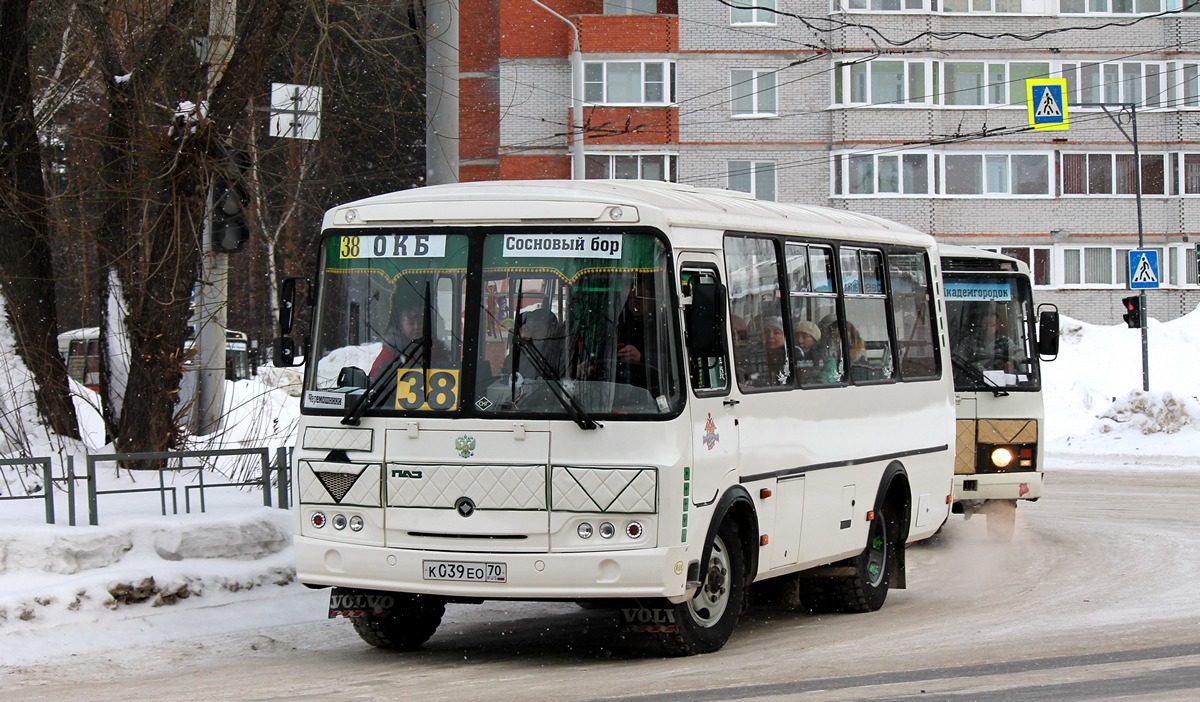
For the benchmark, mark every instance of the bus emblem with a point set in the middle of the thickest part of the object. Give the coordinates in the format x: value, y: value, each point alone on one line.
x: 711, y: 437
x: 465, y: 445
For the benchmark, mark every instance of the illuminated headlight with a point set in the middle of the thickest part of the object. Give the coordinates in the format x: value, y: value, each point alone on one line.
x: 339, y: 521
x: 1002, y: 457
x: 356, y: 523
x: 634, y: 530
x: 317, y: 519
x: 584, y: 530
x: 607, y: 530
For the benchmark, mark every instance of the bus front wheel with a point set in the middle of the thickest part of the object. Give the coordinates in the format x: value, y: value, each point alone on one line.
x: 414, y: 620
x: 704, y: 623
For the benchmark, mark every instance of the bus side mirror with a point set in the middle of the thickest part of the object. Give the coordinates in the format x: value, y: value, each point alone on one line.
x: 287, y: 305
x: 285, y: 352
x: 1047, y: 341
x: 706, y: 319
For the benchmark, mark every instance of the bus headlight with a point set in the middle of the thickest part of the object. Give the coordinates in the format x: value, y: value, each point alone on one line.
x: 584, y: 530
x: 607, y: 530
x: 1002, y: 457
x: 356, y: 523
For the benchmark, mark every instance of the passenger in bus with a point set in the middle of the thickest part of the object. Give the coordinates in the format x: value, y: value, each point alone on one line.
x: 829, y: 353
x: 404, y: 337
x: 985, y: 345
x: 807, y: 335
x: 537, y: 329
x: 775, y: 368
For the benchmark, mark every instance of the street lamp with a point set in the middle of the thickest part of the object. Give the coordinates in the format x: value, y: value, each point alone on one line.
x: 577, y: 164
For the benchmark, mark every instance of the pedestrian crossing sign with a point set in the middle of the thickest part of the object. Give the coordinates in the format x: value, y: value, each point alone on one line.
x: 1143, y: 269
x: 1047, y: 103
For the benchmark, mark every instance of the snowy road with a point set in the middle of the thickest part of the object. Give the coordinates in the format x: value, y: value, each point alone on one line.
x: 1096, y: 598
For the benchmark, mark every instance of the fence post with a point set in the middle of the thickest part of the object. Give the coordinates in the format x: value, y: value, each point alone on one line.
x: 48, y: 487
x: 264, y: 466
x: 282, y: 484
x: 71, y: 490
x: 93, y: 516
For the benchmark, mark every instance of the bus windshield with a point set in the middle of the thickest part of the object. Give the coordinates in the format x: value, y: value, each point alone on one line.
x: 991, y: 332
x: 548, y: 325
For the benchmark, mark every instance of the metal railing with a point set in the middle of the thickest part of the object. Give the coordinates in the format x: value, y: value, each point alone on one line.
x: 276, y: 470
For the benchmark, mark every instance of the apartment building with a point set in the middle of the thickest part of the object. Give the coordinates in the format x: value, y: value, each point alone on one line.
x: 914, y: 110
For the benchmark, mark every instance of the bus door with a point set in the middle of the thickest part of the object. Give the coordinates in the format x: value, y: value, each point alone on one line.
x: 713, y: 413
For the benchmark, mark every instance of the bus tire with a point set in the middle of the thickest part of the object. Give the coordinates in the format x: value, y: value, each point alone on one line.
x: 415, y: 620
x: 867, y: 588
x: 704, y: 623
x: 1001, y: 520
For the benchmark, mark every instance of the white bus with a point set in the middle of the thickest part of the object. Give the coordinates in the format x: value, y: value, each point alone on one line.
x: 637, y: 395
x: 997, y: 381
x: 80, y: 350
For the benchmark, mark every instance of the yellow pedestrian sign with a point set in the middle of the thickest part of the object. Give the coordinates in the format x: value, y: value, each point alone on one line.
x: 1047, y: 103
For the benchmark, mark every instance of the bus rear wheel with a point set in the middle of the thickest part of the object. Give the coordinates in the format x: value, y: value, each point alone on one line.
x: 866, y: 589
x: 704, y: 623
x: 414, y: 620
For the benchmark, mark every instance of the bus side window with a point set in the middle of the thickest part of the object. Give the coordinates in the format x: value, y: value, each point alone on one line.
x: 708, y: 367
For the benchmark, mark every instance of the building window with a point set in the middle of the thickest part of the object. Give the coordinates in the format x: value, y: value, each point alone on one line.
x: 754, y: 177
x: 882, y: 83
x: 754, y: 93
x: 989, y: 83
x: 627, y: 166
x: 630, y: 7
x: 752, y: 12
x: 997, y: 174
x: 1112, y: 174
x: 1123, y: 7
x: 883, y: 174
x: 1167, y: 84
x: 1191, y: 175
x: 629, y: 82
x: 888, y: 5
x: 1036, y: 257
x: 982, y: 6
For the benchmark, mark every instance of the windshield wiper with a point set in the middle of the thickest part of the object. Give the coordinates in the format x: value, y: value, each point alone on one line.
x: 978, y: 376
x: 379, y: 383
x: 550, y: 374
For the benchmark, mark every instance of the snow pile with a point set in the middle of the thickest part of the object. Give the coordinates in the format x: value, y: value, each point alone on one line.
x: 1149, y: 413
x: 53, y: 574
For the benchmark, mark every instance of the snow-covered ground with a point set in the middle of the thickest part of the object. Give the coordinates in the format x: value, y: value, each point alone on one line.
x: 140, y: 577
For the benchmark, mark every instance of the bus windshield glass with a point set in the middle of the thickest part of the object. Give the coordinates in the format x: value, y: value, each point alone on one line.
x: 548, y: 325
x: 991, y: 332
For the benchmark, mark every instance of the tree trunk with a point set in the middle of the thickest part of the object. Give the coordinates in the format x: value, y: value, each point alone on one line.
x: 26, y: 266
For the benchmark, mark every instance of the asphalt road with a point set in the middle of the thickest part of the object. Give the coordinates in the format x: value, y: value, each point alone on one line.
x: 1096, y: 598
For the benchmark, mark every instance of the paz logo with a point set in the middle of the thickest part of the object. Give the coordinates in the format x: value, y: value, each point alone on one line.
x: 711, y: 437
x: 465, y: 445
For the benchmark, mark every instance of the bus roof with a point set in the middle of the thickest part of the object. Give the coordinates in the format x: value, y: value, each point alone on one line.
x: 653, y: 203
x: 957, y: 258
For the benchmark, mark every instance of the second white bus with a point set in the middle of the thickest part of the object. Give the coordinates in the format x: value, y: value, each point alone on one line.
x: 640, y: 395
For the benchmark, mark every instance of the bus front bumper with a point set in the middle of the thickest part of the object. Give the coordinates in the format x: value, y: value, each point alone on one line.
x: 653, y: 572
x: 997, y: 486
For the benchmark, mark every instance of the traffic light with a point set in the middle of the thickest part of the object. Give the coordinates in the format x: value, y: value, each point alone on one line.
x: 229, y: 230
x: 1133, y: 311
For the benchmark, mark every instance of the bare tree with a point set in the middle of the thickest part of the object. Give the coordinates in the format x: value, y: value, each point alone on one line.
x: 25, y: 228
x: 166, y: 138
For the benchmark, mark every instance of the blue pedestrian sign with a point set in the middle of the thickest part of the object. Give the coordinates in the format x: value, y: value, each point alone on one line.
x: 1143, y: 269
x: 1047, y: 103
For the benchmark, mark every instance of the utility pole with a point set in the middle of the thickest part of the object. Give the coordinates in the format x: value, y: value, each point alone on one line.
x: 441, y: 92
x: 211, y: 311
x: 1131, y: 107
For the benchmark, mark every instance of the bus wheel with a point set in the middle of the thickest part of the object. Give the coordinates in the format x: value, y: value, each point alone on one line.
x: 704, y: 623
x: 1001, y: 520
x: 867, y: 588
x: 411, y: 624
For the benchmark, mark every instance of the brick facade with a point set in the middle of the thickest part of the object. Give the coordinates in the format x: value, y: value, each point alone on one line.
x: 531, y: 136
